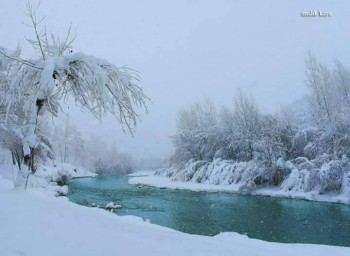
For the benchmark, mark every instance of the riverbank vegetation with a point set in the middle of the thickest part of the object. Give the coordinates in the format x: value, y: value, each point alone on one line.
x: 304, y: 147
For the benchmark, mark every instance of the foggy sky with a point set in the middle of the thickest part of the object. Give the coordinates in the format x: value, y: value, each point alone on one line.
x: 191, y: 50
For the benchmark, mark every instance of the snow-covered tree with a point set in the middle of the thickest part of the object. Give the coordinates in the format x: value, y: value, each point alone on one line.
x: 305, y: 147
x: 274, y: 141
x: 247, y: 119
x: 342, y: 82
x: 323, y: 94
x: 40, y: 85
x: 226, y: 132
x: 67, y: 141
x: 196, y: 137
x: 112, y: 162
x: 11, y: 135
x: 329, y: 97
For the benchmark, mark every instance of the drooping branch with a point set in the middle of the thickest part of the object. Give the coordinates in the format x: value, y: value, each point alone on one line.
x: 24, y: 62
x: 102, y: 87
x: 39, y: 85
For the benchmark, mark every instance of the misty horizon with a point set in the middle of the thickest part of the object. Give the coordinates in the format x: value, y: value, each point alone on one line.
x: 190, y: 51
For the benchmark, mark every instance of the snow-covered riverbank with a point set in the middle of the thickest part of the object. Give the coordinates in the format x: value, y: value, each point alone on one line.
x: 48, y: 179
x: 330, y: 182
x: 35, y: 223
x: 164, y: 182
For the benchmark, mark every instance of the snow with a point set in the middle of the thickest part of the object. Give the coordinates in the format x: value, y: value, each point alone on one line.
x: 57, y: 171
x: 142, y: 173
x: 165, y: 182
x: 46, y: 179
x: 35, y: 223
x: 319, y: 179
x: 112, y: 205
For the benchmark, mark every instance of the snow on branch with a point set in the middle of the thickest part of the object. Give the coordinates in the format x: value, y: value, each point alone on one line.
x: 32, y: 87
x: 102, y: 87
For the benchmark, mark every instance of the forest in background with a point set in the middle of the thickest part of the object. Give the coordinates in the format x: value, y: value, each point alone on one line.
x: 303, y: 147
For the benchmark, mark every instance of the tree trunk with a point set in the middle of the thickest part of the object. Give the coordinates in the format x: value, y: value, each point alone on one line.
x: 18, y: 159
x: 13, y: 158
x: 29, y: 161
x: 29, y: 157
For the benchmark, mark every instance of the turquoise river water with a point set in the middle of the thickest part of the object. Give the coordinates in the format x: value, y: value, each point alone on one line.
x: 266, y: 218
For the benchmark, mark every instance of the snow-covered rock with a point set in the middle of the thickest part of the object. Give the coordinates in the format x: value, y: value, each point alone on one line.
x: 112, y: 205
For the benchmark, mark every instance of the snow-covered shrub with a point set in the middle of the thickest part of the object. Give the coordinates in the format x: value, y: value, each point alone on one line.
x: 296, y: 181
x: 306, y: 176
x: 284, y: 168
x: 201, y: 175
x: 256, y: 174
x: 310, y: 150
x: 303, y: 163
x: 298, y: 175
x: 274, y: 141
x: 298, y: 153
x: 188, y: 172
x: 221, y: 172
x: 218, y: 172
x: 321, y: 160
x: 299, y: 143
x: 329, y: 177
x: 342, y: 145
x: 169, y: 171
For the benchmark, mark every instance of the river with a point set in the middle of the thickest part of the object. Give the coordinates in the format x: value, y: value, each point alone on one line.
x: 267, y: 218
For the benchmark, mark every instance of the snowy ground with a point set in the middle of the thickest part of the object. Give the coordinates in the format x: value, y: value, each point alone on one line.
x: 38, y: 224
x: 46, y: 178
x: 149, y: 179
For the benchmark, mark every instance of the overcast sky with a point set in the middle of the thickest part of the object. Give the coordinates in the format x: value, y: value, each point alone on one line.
x: 188, y: 50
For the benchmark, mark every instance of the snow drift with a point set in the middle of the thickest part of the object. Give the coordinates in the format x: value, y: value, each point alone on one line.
x: 51, y: 179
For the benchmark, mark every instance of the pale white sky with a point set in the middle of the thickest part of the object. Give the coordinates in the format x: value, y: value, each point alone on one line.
x: 187, y: 50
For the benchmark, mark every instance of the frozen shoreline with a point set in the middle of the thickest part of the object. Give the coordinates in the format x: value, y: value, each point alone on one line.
x: 149, y: 179
x: 34, y: 223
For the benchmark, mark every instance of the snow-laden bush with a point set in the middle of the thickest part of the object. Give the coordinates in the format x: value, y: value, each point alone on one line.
x: 296, y: 181
x: 321, y: 160
x: 188, y: 172
x: 285, y: 168
x: 321, y: 175
x: 221, y: 172
x: 303, y: 163
x: 329, y: 177
x: 307, y: 176
x: 166, y: 172
x: 256, y: 174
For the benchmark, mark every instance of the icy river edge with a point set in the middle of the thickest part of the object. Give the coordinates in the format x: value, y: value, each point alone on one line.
x: 148, y: 178
x: 33, y: 222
